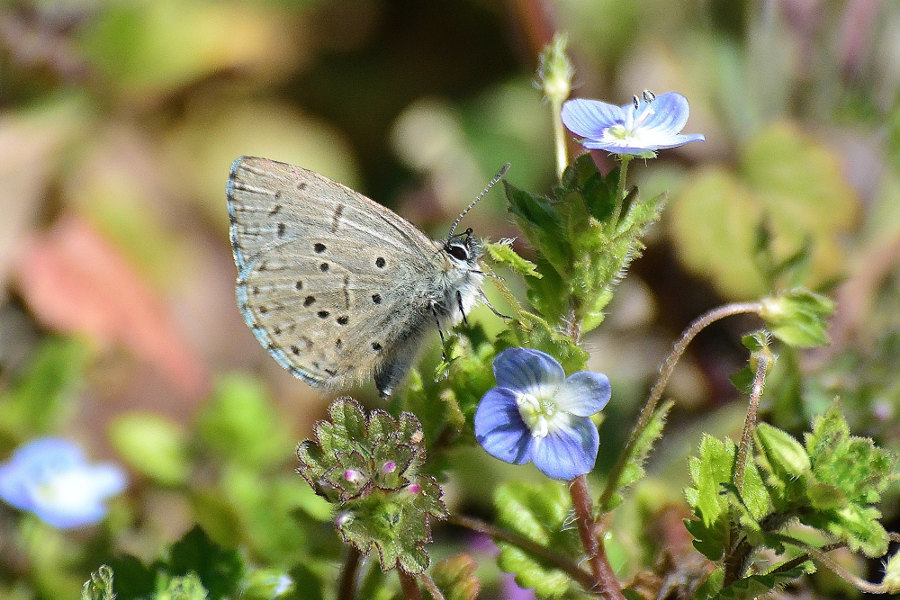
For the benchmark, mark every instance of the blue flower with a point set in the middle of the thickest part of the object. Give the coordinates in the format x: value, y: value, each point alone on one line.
x: 49, y: 477
x: 647, y: 124
x: 538, y: 414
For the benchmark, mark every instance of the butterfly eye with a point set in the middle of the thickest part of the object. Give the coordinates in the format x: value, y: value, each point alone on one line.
x: 458, y: 251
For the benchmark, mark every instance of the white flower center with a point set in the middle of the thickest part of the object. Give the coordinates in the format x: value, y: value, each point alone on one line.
x: 630, y: 130
x: 539, y: 411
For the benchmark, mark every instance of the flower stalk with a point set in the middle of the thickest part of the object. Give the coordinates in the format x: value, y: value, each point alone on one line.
x: 763, y: 361
x: 665, y: 373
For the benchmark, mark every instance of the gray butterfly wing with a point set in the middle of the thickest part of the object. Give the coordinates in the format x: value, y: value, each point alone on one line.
x: 328, y: 281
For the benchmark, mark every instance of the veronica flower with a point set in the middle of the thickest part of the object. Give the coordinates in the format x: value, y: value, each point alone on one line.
x: 538, y: 414
x: 50, y: 478
x: 645, y: 125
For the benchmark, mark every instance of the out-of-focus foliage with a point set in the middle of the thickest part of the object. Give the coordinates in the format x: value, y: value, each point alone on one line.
x: 118, y: 325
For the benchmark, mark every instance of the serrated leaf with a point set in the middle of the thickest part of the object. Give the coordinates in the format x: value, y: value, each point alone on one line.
x: 184, y: 587
x: 505, y: 255
x: 855, y: 525
x: 219, y: 569
x: 785, y: 459
x: 395, y: 524
x: 754, y: 586
x: 99, y: 586
x: 455, y: 577
x: 542, y: 514
x: 852, y: 464
x: 353, y: 453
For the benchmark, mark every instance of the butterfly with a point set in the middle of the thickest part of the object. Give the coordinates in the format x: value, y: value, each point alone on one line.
x: 336, y: 287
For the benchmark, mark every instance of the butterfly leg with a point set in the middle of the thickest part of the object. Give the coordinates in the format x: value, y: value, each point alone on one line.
x: 462, y: 311
x: 437, y: 321
x: 484, y: 298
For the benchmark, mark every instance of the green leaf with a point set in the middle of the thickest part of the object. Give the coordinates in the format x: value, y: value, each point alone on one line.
x: 857, y: 526
x: 153, y: 446
x: 395, y: 524
x: 274, y: 584
x: 220, y: 570
x: 537, y: 334
x: 784, y: 177
x: 540, y: 513
x: 240, y: 424
x: 754, y: 586
x: 852, y: 464
x: 40, y: 399
x: 633, y: 471
x: 505, y: 255
x: 184, y: 587
x: 785, y: 459
x: 540, y: 221
x: 99, y: 586
x: 369, y: 467
x: 716, y: 503
x: 456, y: 579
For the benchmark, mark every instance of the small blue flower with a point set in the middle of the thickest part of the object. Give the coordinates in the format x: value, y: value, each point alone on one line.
x: 538, y: 414
x: 49, y: 477
x: 647, y: 124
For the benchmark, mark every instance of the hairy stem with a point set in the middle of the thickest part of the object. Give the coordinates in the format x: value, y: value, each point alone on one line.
x: 605, y: 580
x: 347, y: 583
x: 759, y: 379
x: 431, y: 586
x: 409, y: 586
x: 665, y: 372
x: 545, y: 554
x: 620, y: 194
x: 820, y: 556
x: 559, y: 138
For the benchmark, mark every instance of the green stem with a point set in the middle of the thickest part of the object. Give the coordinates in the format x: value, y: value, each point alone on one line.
x: 620, y: 193
x: 822, y: 558
x: 759, y: 379
x: 431, y: 586
x: 605, y: 580
x: 347, y: 583
x: 665, y: 372
x: 559, y: 138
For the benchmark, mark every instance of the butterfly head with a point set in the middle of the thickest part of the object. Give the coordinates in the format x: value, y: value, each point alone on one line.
x: 463, y: 248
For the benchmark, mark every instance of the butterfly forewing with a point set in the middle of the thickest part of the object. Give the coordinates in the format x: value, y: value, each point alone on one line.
x: 318, y: 270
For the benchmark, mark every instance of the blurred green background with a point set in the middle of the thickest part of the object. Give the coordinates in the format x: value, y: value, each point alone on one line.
x: 119, y: 121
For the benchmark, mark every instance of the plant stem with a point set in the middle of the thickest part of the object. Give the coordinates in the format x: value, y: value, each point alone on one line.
x: 347, y: 585
x: 545, y: 554
x: 821, y: 557
x: 559, y: 138
x: 656, y: 392
x: 409, y: 586
x: 431, y: 586
x: 620, y: 194
x: 759, y: 379
x: 605, y: 580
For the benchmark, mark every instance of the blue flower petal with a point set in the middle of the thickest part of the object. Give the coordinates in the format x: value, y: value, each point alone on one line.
x: 525, y: 369
x: 584, y: 393
x: 499, y: 427
x: 670, y: 113
x: 51, y: 478
x: 569, y: 451
x: 589, y: 118
x: 646, y: 128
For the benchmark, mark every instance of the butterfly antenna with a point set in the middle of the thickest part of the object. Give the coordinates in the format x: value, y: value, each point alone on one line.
x: 484, y: 192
